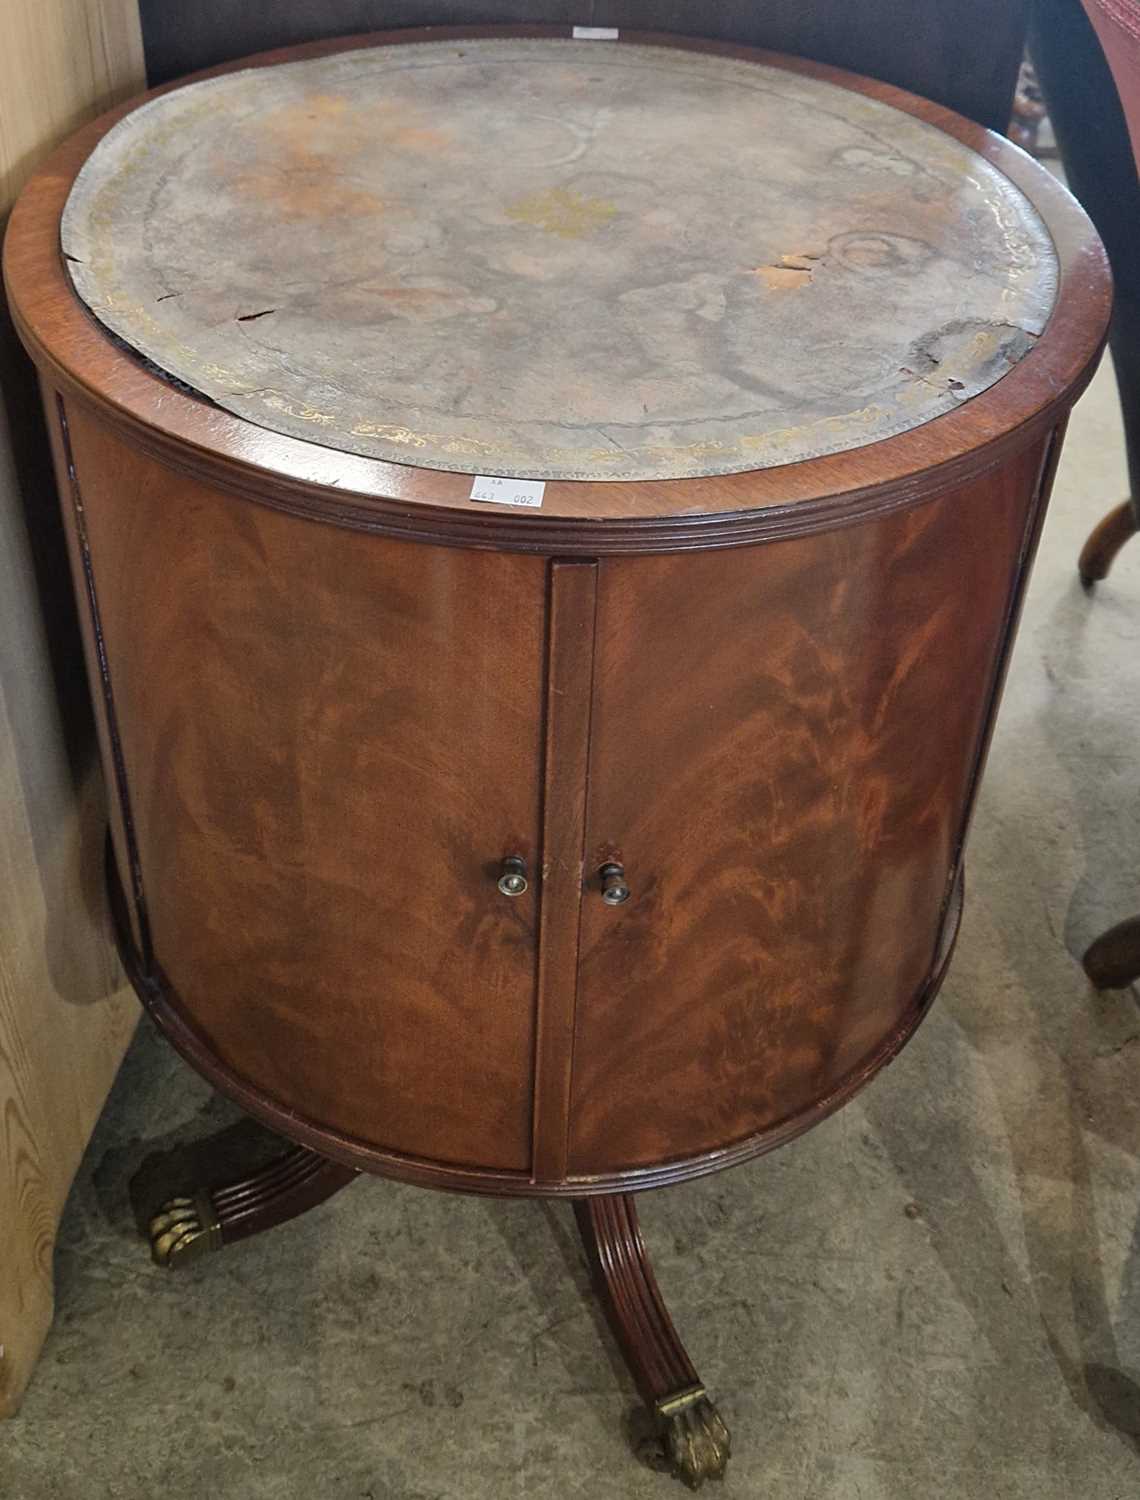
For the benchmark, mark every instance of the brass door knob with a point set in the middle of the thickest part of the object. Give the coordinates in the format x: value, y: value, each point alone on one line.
x: 512, y: 879
x: 614, y: 888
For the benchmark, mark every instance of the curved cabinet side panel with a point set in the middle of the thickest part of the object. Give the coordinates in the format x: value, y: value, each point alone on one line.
x: 119, y: 815
x: 784, y: 747
x: 330, y: 743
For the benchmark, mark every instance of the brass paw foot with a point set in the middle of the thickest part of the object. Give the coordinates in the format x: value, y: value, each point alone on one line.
x: 183, y: 1230
x: 693, y: 1443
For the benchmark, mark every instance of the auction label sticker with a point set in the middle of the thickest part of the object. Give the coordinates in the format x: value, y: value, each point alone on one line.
x: 528, y: 492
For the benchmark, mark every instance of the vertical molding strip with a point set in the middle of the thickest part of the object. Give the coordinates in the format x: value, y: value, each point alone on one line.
x: 572, y: 599
x: 105, y: 716
x: 1030, y: 540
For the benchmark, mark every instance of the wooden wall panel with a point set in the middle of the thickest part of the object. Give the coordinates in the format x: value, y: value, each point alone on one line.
x: 65, y: 1012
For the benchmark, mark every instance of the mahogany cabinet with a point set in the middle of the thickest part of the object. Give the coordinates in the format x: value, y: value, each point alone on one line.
x: 581, y: 844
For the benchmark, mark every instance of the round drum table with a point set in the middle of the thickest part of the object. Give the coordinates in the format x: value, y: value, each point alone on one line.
x: 550, y: 516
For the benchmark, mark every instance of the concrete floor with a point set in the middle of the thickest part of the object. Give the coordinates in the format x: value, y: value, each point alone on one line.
x: 937, y: 1292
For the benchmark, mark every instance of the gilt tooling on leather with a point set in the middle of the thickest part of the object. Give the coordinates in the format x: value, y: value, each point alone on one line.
x: 558, y: 259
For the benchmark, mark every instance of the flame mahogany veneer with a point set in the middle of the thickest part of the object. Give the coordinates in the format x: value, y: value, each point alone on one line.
x: 333, y: 695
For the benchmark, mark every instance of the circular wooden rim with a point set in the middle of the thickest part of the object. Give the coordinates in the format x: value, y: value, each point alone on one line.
x: 579, y: 517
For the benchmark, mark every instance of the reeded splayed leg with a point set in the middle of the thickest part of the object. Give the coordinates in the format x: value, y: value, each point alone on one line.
x: 190, y: 1225
x: 1105, y: 541
x: 692, y: 1441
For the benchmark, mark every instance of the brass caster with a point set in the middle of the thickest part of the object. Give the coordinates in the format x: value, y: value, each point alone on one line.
x: 183, y: 1230
x: 692, y: 1441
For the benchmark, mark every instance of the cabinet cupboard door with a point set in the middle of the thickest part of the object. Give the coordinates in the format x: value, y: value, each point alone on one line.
x: 783, y: 743
x: 330, y: 743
